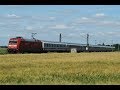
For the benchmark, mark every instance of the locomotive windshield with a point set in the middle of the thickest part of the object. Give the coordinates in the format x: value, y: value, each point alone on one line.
x: 12, y: 42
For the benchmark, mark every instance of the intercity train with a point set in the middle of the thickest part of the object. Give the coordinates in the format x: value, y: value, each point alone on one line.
x: 22, y: 45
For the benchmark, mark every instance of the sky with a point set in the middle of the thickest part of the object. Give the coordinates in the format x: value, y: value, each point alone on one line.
x: 74, y: 22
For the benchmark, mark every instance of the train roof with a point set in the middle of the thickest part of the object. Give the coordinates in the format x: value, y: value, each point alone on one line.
x: 25, y: 39
x: 102, y: 46
x: 31, y: 40
x: 77, y: 44
x: 55, y: 42
x: 66, y: 43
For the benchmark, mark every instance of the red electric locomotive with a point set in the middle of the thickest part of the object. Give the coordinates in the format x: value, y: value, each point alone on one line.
x: 21, y: 45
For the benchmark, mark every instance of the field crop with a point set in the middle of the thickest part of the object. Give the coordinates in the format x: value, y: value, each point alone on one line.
x: 96, y: 68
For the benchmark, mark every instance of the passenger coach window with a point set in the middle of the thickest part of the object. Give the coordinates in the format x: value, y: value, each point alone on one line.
x: 44, y: 45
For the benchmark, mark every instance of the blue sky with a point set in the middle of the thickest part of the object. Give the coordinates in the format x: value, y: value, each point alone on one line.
x: 101, y: 22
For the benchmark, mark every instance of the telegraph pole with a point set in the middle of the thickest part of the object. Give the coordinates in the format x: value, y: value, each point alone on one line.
x: 87, y: 48
x: 60, y: 37
x: 112, y: 45
x: 118, y: 47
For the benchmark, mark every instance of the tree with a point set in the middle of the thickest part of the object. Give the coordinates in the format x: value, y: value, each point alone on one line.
x: 103, y: 44
x: 117, y: 47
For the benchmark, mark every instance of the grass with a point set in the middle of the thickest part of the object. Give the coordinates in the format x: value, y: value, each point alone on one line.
x: 3, y: 51
x: 101, y: 68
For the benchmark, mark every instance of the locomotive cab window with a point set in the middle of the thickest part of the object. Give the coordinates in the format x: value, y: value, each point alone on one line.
x: 12, y: 42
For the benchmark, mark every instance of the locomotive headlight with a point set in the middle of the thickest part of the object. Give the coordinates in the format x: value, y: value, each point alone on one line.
x: 12, y: 46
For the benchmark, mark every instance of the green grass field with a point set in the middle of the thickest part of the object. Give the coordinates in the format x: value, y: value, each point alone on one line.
x: 96, y: 68
x: 3, y: 51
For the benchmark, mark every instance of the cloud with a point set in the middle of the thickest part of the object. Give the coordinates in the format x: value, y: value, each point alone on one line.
x: 84, y: 21
x: 107, y: 34
x: 72, y: 34
x: 52, y: 18
x: 111, y: 34
x: 99, y: 14
x: 12, y: 16
x: 65, y: 11
x: 84, y: 18
x: 101, y: 33
x: 60, y: 26
x: 97, y: 19
x: 1, y: 23
x: 42, y: 18
x: 29, y: 28
x: 108, y: 22
x: 105, y: 23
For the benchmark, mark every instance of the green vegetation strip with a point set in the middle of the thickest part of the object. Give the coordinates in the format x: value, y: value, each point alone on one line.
x: 96, y: 68
x: 3, y: 51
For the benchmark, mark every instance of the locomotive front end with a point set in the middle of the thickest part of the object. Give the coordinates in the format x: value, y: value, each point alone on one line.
x: 13, y: 45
